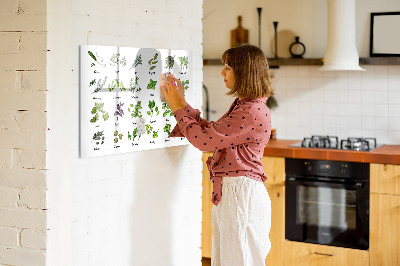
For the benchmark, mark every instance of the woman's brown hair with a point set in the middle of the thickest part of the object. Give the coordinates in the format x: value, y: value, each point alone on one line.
x: 250, y: 66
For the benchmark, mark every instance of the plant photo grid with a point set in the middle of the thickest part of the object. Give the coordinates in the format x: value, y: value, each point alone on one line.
x: 121, y: 106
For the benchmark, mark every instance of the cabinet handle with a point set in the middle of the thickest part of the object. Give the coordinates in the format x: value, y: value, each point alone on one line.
x: 324, y: 254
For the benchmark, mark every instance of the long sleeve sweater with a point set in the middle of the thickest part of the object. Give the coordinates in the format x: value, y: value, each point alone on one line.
x: 238, y: 139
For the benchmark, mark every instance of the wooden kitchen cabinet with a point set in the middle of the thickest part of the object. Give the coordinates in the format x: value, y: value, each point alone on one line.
x: 206, y: 225
x: 305, y: 254
x: 385, y: 178
x: 385, y: 215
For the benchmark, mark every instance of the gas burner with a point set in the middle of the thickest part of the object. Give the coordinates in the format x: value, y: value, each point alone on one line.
x: 358, y: 144
x: 327, y: 142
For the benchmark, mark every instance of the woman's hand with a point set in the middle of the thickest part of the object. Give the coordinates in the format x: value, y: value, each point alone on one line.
x: 174, y: 94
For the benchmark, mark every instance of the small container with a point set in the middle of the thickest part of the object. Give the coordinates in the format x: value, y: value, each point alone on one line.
x: 273, y: 134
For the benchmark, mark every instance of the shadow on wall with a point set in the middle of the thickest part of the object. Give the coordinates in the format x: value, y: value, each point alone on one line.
x: 153, y: 223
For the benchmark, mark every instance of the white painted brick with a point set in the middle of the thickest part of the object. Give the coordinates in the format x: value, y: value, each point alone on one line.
x: 17, y: 256
x: 8, y: 237
x: 31, y: 56
x: 34, y: 120
x: 9, y: 42
x: 28, y: 16
x: 7, y: 79
x: 8, y: 6
x: 33, y: 159
x: 22, y: 100
x: 22, y: 139
x: 33, y: 199
x: 22, y: 218
x: 8, y: 197
x: 31, y: 80
x: 23, y: 178
x: 33, y: 239
x: 5, y: 159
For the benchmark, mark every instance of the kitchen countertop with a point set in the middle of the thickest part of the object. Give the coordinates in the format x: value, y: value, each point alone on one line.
x: 389, y: 154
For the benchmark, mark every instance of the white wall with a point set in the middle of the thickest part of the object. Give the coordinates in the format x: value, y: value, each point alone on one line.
x: 140, y: 208
x: 311, y: 102
x: 306, y: 19
x: 23, y: 133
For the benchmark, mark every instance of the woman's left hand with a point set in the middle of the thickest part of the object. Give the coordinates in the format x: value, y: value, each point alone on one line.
x: 170, y: 90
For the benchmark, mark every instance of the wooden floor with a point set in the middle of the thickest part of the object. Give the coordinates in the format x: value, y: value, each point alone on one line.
x: 206, y: 261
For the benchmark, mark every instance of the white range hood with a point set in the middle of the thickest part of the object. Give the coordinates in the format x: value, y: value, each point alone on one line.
x: 341, y: 51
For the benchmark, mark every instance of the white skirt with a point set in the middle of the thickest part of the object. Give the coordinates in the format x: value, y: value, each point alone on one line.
x: 241, y: 223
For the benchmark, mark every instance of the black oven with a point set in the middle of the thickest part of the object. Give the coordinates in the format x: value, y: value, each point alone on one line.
x: 327, y: 202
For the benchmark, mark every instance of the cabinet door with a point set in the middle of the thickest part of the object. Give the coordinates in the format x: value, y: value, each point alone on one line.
x: 385, y: 178
x: 206, y: 226
x: 384, y: 230
x: 274, y: 168
x: 304, y: 254
x: 277, y: 233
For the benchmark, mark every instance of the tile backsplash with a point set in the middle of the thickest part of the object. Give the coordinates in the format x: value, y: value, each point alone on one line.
x: 339, y: 103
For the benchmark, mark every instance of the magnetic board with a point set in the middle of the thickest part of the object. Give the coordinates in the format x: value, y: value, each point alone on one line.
x: 121, y: 104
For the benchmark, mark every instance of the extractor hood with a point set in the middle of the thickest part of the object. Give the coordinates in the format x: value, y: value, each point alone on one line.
x: 341, y: 51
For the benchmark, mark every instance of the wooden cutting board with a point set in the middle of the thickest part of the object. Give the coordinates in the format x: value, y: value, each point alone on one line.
x: 239, y: 35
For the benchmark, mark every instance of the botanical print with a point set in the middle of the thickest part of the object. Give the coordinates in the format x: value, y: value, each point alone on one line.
x: 122, y: 108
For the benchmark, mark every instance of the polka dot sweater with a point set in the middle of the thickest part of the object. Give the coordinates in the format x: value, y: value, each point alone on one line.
x: 238, y: 139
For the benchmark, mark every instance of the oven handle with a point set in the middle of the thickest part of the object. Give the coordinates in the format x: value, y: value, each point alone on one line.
x: 357, y: 185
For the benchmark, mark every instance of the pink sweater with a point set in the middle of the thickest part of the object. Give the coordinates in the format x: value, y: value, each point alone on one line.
x: 238, y: 139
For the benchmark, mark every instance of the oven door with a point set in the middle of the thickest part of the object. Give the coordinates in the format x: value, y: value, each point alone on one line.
x: 327, y: 213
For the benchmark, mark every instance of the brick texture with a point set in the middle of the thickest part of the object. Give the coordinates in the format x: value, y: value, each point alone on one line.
x: 23, y: 126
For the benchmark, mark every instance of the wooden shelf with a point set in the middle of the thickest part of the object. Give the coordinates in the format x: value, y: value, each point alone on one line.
x: 274, y: 63
x: 380, y: 61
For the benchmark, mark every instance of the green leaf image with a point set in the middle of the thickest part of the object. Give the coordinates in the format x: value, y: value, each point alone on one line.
x: 155, y: 134
x: 183, y: 63
x: 92, y: 82
x: 152, y: 67
x: 152, y: 85
x: 92, y: 56
x: 169, y: 62
x: 149, y: 129
x: 138, y: 61
x: 167, y: 128
x: 135, y: 111
x: 105, y: 116
x: 97, y: 110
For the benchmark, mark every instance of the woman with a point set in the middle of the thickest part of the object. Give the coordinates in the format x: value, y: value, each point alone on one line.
x: 242, y: 208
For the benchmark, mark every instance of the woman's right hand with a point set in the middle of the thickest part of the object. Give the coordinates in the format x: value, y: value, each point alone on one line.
x: 181, y: 90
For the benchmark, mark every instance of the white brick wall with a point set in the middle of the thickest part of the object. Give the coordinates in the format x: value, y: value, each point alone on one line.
x: 141, y: 208
x: 23, y: 128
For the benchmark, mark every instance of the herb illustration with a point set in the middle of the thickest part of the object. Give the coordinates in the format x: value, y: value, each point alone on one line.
x: 115, y: 84
x: 138, y: 61
x: 100, y: 85
x: 117, y: 137
x: 134, y: 86
x: 166, y: 109
x: 185, y: 83
x: 153, y: 108
x: 169, y: 62
x: 135, y: 110
x: 152, y: 85
x: 134, y: 135
x: 152, y: 62
x: 98, y: 137
x: 114, y: 59
x: 96, y: 111
x: 167, y: 128
x: 150, y: 131
x: 97, y: 59
x: 183, y: 63
x: 119, y: 111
